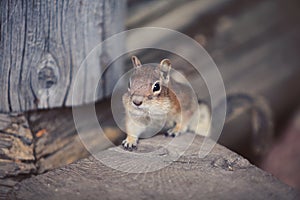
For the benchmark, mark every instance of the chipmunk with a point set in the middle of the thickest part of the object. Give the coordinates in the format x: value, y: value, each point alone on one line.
x: 156, y: 102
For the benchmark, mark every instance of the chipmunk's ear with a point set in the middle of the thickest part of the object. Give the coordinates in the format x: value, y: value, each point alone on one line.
x: 165, y: 67
x: 135, y: 61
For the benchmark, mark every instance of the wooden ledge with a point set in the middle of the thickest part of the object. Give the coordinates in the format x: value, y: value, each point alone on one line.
x: 221, y: 175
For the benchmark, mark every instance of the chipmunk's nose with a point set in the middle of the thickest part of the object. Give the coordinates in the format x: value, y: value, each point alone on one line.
x: 137, y: 102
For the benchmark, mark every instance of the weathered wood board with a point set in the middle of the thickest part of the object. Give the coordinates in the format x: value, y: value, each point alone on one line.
x: 42, y: 46
x: 221, y: 175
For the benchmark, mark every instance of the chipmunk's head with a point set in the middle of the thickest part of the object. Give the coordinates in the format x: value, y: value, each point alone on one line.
x: 148, y: 82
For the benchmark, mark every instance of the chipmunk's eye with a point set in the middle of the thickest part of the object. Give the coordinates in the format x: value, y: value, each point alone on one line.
x: 156, y: 87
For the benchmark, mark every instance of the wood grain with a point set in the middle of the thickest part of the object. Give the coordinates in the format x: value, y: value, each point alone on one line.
x: 16, y: 151
x: 43, y: 44
x: 221, y: 175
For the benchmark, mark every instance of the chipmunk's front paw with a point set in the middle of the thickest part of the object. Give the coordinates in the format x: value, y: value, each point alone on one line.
x: 130, y: 143
x: 172, y: 133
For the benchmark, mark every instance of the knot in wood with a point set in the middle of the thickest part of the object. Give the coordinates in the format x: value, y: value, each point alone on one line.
x: 47, y: 77
x: 45, y: 81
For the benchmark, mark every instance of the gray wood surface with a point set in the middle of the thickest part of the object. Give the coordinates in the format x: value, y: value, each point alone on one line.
x: 43, y: 44
x: 221, y: 175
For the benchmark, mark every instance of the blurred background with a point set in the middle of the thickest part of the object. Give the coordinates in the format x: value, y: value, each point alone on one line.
x: 256, y: 46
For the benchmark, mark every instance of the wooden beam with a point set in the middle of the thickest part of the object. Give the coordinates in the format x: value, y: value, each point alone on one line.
x: 221, y: 175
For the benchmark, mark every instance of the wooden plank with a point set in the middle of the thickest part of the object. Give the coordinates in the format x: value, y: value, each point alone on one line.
x: 221, y: 175
x: 43, y: 44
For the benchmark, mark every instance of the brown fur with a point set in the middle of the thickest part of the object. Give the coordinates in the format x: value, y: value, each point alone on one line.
x: 174, y: 101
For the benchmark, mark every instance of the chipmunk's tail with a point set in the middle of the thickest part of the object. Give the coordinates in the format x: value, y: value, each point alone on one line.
x: 203, y: 119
